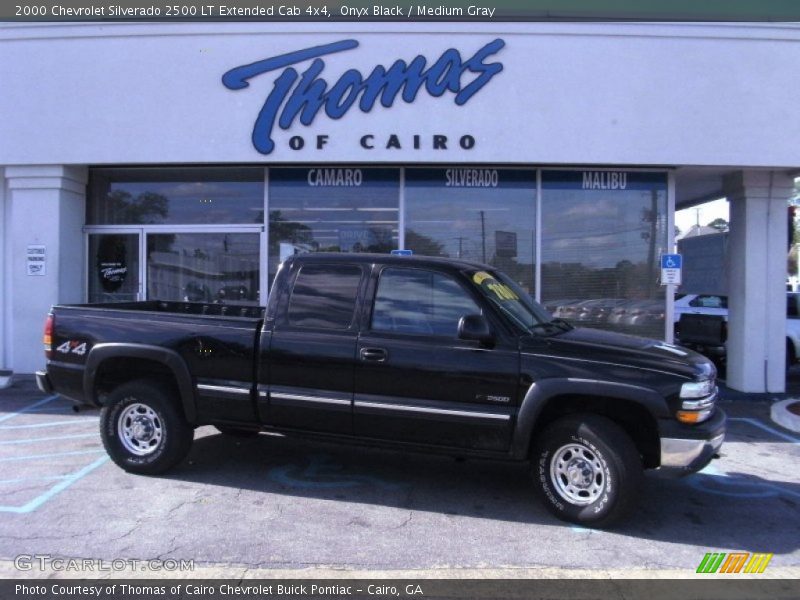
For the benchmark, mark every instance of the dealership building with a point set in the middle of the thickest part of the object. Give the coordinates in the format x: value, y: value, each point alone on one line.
x: 184, y: 161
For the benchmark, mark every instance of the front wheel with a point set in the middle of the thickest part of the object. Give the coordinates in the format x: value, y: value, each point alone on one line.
x: 587, y: 470
x: 143, y: 429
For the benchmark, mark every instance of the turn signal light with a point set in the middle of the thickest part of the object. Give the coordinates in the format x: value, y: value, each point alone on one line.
x: 693, y: 416
x: 48, y: 336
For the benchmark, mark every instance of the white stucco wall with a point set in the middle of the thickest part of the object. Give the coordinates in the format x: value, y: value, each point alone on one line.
x: 4, y: 361
x: 569, y: 93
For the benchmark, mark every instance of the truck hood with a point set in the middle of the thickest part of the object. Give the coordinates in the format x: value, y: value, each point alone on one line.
x: 628, y: 350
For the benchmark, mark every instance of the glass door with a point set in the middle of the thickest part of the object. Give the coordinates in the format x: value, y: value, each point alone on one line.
x: 114, y: 274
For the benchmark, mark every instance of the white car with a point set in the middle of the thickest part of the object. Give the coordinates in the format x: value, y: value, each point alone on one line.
x: 710, y: 304
x: 701, y: 304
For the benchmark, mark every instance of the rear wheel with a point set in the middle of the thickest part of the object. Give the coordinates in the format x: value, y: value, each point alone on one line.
x: 587, y: 470
x: 143, y: 429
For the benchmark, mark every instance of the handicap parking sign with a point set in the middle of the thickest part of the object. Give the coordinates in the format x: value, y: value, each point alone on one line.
x: 671, y: 261
x: 671, y: 265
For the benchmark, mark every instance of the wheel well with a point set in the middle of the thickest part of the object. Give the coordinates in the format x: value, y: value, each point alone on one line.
x: 633, y: 418
x: 113, y: 372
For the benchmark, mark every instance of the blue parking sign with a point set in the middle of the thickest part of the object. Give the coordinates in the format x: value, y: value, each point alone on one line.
x: 671, y: 273
x: 671, y: 261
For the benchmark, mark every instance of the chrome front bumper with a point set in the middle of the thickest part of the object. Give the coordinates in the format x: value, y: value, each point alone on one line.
x: 688, y: 456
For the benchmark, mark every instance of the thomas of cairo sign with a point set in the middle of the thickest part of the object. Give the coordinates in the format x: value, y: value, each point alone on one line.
x: 296, y: 96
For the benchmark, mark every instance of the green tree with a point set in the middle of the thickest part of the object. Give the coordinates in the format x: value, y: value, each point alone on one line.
x: 719, y: 224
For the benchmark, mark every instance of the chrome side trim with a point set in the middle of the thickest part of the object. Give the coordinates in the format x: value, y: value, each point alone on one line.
x: 431, y: 411
x: 677, y: 452
x: 314, y: 399
x: 223, y: 389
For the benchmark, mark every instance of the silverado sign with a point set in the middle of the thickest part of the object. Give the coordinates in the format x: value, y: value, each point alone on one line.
x: 300, y: 97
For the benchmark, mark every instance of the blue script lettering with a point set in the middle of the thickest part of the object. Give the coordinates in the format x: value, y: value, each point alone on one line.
x: 294, y: 96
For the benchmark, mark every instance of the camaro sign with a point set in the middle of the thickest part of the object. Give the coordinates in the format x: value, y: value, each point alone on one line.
x: 302, y: 96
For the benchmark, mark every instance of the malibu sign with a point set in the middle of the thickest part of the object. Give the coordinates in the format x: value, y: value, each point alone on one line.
x: 295, y: 96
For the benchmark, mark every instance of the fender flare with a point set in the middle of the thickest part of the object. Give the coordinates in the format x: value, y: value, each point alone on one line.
x: 541, y: 392
x: 169, y: 358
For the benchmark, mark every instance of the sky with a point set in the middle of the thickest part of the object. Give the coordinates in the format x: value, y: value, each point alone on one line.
x: 709, y: 211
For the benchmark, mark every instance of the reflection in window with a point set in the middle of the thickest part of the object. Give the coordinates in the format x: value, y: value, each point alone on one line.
x: 324, y: 296
x: 332, y: 210
x: 483, y: 215
x: 203, y: 267
x: 175, y: 196
x: 602, y: 236
x: 420, y: 302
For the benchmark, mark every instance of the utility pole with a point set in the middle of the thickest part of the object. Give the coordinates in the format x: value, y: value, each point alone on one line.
x: 483, y: 234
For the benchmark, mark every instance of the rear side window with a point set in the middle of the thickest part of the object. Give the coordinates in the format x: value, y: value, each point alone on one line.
x: 324, y: 296
x: 420, y: 302
x: 710, y: 302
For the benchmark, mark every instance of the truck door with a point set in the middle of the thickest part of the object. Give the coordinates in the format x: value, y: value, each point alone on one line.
x: 312, y: 350
x: 417, y: 382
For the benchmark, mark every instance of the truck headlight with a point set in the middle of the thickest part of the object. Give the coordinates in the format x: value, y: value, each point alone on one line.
x: 698, y: 399
x: 698, y: 389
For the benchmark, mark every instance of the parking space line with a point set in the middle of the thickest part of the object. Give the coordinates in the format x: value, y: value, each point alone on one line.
x: 760, y: 425
x: 28, y: 408
x: 56, y: 489
x: 52, y: 423
x: 54, y: 455
x: 47, y: 439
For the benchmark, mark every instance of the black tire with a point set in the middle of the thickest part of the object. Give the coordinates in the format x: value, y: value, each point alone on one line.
x: 603, y: 458
x: 236, y: 431
x: 164, y: 436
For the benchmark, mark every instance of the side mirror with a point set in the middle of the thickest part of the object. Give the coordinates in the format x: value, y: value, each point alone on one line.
x: 475, y: 328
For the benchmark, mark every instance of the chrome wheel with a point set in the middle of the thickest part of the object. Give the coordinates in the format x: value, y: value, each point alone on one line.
x: 140, y: 429
x: 577, y: 474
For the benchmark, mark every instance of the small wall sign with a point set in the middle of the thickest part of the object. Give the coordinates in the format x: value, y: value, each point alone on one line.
x: 36, y: 260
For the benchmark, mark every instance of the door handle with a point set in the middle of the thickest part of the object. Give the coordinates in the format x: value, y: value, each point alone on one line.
x: 373, y: 354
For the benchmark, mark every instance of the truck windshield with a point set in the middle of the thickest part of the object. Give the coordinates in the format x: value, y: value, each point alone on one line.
x: 510, y: 299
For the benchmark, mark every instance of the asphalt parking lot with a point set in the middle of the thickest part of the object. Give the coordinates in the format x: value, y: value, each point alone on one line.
x: 273, y: 503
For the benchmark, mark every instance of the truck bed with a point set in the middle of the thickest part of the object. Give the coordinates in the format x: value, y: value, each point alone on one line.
x: 216, y: 342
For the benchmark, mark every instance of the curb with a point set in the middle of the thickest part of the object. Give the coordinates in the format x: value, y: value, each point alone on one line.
x: 780, y: 414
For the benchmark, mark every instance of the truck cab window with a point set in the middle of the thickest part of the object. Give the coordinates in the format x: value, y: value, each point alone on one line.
x: 324, y: 296
x: 420, y: 302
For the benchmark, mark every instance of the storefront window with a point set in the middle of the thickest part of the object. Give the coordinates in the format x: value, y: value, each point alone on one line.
x: 478, y: 214
x: 176, y: 196
x: 203, y: 267
x: 332, y: 210
x: 602, y: 235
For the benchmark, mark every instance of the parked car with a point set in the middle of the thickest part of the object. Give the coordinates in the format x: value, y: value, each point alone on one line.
x: 701, y: 304
x: 413, y: 352
x: 716, y: 307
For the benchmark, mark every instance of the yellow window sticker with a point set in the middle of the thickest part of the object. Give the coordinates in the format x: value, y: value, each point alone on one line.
x: 501, y: 290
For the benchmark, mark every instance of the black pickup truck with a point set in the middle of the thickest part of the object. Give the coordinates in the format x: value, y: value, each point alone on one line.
x: 420, y: 353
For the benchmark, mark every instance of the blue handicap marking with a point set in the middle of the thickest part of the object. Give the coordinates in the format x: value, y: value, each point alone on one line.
x: 671, y: 261
x: 714, y: 481
x: 322, y: 473
x: 402, y: 252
